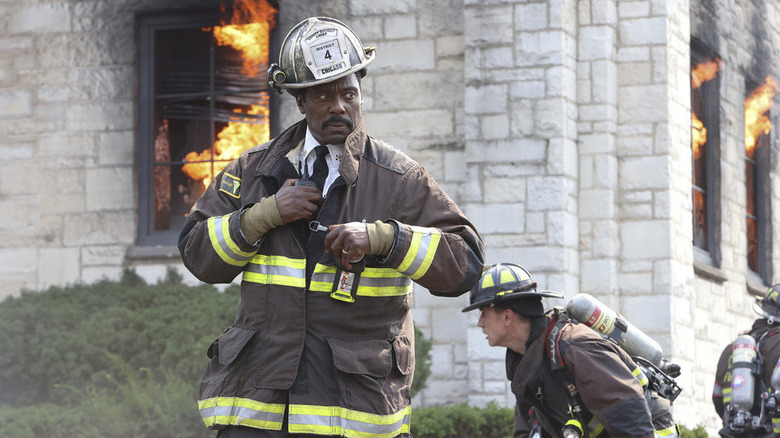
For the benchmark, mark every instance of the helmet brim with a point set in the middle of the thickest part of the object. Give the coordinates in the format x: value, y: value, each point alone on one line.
x: 513, y: 297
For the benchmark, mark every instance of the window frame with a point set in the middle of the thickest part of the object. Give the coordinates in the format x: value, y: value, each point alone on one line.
x: 711, y: 114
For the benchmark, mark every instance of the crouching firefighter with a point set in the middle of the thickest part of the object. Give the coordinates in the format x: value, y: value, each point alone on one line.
x: 569, y: 380
x: 746, y: 393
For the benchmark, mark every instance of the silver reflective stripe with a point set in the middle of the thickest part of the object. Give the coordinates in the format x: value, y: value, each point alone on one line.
x: 278, y: 270
x: 240, y: 411
x: 327, y: 420
x: 374, y: 282
x: 219, y: 233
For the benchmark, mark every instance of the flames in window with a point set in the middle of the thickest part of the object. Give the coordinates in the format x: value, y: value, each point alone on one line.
x: 700, y: 74
x: 247, y: 32
x: 701, y: 102
x: 757, y: 123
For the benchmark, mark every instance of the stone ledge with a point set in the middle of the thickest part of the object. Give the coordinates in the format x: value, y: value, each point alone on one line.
x: 153, y: 253
x: 709, y: 272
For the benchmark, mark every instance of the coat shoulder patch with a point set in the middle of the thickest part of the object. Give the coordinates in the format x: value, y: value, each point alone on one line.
x: 231, y: 185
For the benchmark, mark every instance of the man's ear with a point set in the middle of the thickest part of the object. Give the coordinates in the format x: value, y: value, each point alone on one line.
x: 299, y: 100
x: 509, y: 314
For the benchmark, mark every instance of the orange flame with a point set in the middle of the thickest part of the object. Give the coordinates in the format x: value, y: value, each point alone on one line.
x: 704, y: 72
x: 248, y: 32
x: 700, y: 74
x: 234, y: 139
x: 699, y: 135
x: 756, y: 107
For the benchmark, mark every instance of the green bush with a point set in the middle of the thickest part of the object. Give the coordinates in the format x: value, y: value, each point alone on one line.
x: 698, y: 432
x: 463, y: 421
x: 116, y: 359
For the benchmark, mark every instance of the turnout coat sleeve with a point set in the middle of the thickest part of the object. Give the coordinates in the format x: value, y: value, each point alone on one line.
x: 211, y: 243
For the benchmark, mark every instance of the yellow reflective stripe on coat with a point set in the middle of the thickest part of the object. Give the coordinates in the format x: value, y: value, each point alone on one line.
x: 669, y: 432
x: 277, y: 270
x: 727, y: 394
x: 374, y: 282
x: 776, y: 425
x: 225, y: 247
x: 335, y: 420
x: 421, y: 251
x: 640, y: 376
x: 595, y: 427
x: 235, y: 411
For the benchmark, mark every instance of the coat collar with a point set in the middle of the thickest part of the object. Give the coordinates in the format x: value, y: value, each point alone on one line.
x: 354, y: 146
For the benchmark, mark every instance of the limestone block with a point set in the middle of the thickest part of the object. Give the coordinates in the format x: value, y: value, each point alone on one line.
x: 401, y: 26
x: 368, y: 28
x: 455, y: 167
x: 539, y: 48
x: 92, y: 274
x: 406, y: 55
x: 598, y: 112
x: 651, y: 313
x: 633, y: 54
x: 605, y: 78
x: 58, y: 266
x: 598, y: 276
x: 377, y: 7
x: 66, y: 145
x: 604, y: 11
x: 58, y: 203
x: 597, y: 204
x: 100, y: 117
x: 417, y: 90
x: 99, y: 228
x: 488, y: 25
x: 527, y: 90
x: 102, y: 255
x: 531, y: 16
x: 643, y: 31
x: 102, y: 83
x: 18, y: 261
x: 496, y: 218
x: 504, y: 189
x: 18, y: 177
x: 115, y: 148
x: 51, y: 94
x: 15, y: 152
x: 644, y: 173
x: 424, y: 123
x: 15, y: 104
x: 605, y: 235
x: 495, y: 127
x: 486, y: 99
x: 596, y: 43
x: 441, y: 361
x: 561, y: 82
x: 535, y: 222
x: 449, y: 324
x: 547, y: 193
x: 637, y: 245
x: 108, y: 188
x: 450, y: 45
x: 497, y: 57
x: 634, y: 9
x: 562, y: 229
x: 41, y: 18
x: 446, y: 391
x: 475, y: 379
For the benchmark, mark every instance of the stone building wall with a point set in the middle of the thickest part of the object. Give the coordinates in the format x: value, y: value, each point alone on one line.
x: 560, y: 127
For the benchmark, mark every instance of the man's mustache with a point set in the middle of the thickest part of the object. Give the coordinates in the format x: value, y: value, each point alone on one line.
x: 337, y: 119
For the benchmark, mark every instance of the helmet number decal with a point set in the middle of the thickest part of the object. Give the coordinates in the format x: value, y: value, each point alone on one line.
x: 324, y: 49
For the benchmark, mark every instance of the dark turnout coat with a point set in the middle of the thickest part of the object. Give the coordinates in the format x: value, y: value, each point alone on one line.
x: 341, y: 365
x: 609, y: 383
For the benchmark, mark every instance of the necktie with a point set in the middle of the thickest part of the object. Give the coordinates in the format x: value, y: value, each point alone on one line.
x: 320, y: 171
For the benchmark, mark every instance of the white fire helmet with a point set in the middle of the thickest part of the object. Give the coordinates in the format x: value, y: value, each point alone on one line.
x: 318, y: 50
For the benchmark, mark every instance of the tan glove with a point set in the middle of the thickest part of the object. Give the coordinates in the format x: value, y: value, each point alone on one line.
x: 260, y: 218
x: 381, y: 236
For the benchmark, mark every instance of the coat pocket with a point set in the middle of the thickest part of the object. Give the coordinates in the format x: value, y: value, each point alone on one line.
x: 230, y: 343
x: 369, y: 376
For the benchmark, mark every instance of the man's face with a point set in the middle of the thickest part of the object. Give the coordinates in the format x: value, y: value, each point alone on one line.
x: 504, y: 328
x: 332, y: 109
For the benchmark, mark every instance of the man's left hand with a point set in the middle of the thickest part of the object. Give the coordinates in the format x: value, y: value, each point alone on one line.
x: 347, y: 242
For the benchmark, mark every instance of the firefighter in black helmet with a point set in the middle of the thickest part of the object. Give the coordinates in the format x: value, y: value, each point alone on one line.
x: 567, y: 379
x: 765, y: 354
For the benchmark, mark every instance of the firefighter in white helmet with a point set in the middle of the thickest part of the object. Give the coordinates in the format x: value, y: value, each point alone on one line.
x: 568, y: 380
x: 329, y: 228
x: 747, y: 379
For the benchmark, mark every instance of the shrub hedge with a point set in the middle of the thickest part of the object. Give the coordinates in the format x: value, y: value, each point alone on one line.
x: 123, y: 359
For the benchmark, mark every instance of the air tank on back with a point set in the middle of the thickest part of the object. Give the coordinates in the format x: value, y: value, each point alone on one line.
x: 742, y: 381
x: 596, y: 315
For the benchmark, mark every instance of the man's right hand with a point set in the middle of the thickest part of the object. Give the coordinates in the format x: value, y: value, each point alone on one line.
x: 297, y: 202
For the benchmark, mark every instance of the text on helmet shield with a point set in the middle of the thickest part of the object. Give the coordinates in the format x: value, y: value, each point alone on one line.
x: 324, y: 50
